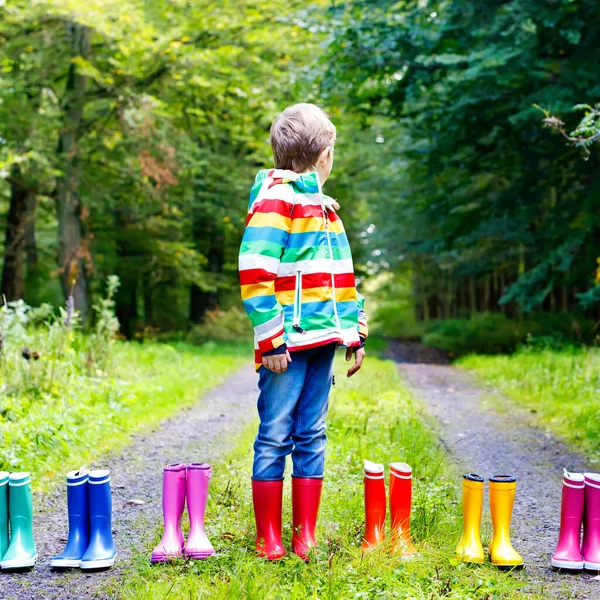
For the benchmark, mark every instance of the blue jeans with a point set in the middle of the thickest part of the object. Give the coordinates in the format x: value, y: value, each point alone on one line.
x: 292, y: 408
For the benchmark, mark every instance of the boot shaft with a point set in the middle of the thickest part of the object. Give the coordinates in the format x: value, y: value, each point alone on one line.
x: 3, y: 512
x: 306, y: 499
x: 20, y: 497
x: 502, y: 499
x: 174, y: 492
x: 400, y: 494
x: 267, y: 497
x: 100, y: 503
x: 472, y: 499
x: 78, y: 499
x: 198, y: 478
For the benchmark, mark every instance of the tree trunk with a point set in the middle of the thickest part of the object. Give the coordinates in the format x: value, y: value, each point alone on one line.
x: 148, y: 299
x: 73, y: 253
x: 210, y: 241
x: 127, y: 294
x: 13, y: 282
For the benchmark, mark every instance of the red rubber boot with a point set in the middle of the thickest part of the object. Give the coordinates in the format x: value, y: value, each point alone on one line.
x: 375, y: 506
x: 400, y: 503
x: 267, y: 498
x: 306, y: 498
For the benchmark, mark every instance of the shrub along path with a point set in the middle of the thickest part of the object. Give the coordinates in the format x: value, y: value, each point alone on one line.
x: 486, y: 434
x: 203, y: 432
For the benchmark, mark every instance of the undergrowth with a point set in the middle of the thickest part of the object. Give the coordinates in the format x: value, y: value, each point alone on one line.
x: 67, y: 397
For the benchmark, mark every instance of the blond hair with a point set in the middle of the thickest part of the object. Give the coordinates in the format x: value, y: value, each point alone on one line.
x: 299, y: 135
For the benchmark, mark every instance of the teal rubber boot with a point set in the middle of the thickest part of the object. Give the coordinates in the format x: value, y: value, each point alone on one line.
x: 3, y: 513
x: 21, y: 551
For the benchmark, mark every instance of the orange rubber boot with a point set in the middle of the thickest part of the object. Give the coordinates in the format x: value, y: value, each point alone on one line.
x: 400, y: 503
x: 375, y: 506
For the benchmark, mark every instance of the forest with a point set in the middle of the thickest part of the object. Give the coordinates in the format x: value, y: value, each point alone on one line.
x: 465, y: 165
x: 467, y: 176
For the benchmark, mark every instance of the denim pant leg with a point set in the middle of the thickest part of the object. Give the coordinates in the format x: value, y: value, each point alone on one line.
x: 308, y: 433
x: 279, y: 393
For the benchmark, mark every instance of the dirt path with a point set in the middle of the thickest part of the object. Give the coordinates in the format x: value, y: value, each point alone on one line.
x: 485, y: 436
x: 201, y: 433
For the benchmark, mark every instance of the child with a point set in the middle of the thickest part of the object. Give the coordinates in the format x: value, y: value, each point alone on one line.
x: 298, y: 289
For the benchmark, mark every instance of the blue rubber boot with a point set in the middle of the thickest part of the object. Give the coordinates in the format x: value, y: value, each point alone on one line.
x: 101, y: 552
x: 3, y: 513
x: 21, y: 551
x: 79, y: 521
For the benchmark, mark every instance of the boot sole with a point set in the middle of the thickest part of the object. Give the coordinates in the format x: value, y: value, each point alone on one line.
x: 65, y: 563
x: 199, y: 555
x: 18, y: 564
x: 590, y: 566
x: 97, y: 564
x: 567, y: 565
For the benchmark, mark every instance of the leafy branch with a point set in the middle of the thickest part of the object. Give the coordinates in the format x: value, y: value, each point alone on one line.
x: 585, y: 135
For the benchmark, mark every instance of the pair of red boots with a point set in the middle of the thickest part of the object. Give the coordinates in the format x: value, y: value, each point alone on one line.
x: 267, y: 497
x: 400, y: 505
x: 580, y: 506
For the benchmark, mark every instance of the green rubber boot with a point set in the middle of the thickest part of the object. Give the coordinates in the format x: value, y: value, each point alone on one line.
x: 21, y: 551
x: 3, y: 513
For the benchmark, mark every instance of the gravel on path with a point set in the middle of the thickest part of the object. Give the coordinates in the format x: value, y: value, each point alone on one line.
x: 487, y: 435
x: 204, y: 432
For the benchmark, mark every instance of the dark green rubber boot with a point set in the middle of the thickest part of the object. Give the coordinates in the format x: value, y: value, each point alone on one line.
x: 21, y: 551
x: 3, y: 513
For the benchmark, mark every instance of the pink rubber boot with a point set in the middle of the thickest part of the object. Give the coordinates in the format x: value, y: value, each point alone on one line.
x: 568, y: 554
x: 198, y: 546
x: 591, y: 523
x: 171, y: 544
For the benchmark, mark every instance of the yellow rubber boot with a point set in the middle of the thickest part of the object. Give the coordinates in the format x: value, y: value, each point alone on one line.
x: 469, y: 548
x: 502, y: 499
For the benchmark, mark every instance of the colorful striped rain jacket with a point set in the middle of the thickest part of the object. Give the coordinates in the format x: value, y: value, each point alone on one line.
x: 296, y: 270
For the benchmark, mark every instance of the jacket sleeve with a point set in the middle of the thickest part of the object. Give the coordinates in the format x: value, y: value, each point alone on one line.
x: 268, y: 228
x: 363, y: 329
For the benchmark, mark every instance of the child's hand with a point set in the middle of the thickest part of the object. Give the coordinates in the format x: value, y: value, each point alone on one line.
x: 277, y: 362
x: 358, y: 358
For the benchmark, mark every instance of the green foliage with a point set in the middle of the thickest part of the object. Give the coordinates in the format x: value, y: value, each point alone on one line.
x: 481, y: 201
x: 494, y: 333
x: 371, y: 417
x: 557, y: 387
x: 223, y: 326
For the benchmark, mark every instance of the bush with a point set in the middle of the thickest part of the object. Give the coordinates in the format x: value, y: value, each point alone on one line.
x: 230, y: 325
x: 494, y: 333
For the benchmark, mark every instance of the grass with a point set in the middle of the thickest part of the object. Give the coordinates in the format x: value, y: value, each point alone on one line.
x: 57, y: 413
x: 371, y: 416
x: 561, y: 388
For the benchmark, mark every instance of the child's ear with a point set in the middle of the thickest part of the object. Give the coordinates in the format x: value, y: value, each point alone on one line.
x: 325, y: 156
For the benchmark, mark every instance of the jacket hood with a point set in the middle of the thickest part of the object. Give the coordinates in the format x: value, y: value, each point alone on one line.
x: 307, y: 183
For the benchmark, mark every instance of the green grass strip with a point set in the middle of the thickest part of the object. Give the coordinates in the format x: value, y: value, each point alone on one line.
x: 561, y: 388
x: 372, y: 416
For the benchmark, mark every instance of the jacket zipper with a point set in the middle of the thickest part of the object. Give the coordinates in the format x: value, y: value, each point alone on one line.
x: 298, y: 304
x: 333, y: 291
